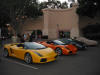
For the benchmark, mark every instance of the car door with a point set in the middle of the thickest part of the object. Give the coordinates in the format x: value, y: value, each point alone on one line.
x: 20, y: 52
x: 17, y: 52
x: 12, y: 51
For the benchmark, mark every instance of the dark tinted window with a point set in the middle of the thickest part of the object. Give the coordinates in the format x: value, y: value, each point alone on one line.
x: 49, y: 42
x: 20, y: 45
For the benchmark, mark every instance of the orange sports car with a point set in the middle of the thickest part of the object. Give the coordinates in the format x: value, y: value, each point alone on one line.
x: 60, y: 47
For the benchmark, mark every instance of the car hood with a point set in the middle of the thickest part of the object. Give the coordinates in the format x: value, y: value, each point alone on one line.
x: 71, y: 47
x: 46, y: 52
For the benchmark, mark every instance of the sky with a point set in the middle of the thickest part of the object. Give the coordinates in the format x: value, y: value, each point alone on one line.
x: 58, y: 0
x: 47, y: 0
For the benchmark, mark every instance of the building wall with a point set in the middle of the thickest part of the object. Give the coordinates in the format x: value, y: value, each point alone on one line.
x: 32, y: 24
x: 55, y: 20
x: 60, y: 19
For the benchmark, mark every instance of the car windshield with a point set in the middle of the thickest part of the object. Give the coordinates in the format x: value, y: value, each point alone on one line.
x: 58, y: 42
x: 33, y: 45
x: 65, y: 41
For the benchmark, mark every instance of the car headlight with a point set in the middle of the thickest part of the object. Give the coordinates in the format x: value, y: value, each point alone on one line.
x: 38, y: 54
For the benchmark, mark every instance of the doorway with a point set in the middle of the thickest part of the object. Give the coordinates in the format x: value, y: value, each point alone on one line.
x: 36, y: 34
x: 64, y: 34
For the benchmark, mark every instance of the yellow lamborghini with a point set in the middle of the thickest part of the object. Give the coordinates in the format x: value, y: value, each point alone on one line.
x: 30, y: 52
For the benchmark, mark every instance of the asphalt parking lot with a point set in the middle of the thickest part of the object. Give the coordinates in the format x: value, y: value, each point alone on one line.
x: 86, y: 62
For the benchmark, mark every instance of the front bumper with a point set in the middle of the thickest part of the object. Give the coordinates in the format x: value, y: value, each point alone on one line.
x: 46, y: 59
x: 70, y: 52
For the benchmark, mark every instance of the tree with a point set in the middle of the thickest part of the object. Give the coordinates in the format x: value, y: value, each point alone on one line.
x: 64, y: 5
x: 31, y: 9
x: 16, y: 10
x: 4, y: 18
x: 88, y: 8
x: 55, y: 4
x: 10, y: 9
x: 42, y: 5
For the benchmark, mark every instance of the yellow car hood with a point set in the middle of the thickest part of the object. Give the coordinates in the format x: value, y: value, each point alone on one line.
x: 46, y: 52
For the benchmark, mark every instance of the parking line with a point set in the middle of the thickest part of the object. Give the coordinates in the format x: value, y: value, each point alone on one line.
x: 20, y: 63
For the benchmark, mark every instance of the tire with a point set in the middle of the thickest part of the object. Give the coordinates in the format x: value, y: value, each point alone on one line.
x: 58, y: 51
x: 6, y: 53
x: 28, y: 58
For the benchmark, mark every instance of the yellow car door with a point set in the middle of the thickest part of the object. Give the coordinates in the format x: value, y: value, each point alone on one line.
x: 13, y: 51
x: 19, y: 52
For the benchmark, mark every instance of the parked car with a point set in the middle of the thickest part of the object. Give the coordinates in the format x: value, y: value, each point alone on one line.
x: 60, y: 47
x: 30, y: 52
x: 87, y: 41
x: 80, y: 45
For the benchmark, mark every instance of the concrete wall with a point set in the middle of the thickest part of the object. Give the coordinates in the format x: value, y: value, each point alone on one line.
x: 60, y: 19
x: 32, y: 24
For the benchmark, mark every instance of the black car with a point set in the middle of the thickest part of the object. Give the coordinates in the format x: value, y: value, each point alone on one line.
x: 78, y: 44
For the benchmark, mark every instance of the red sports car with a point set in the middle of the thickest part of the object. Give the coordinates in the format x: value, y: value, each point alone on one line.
x: 60, y: 47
